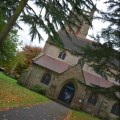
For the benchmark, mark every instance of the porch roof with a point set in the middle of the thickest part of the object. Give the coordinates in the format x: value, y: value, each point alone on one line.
x: 94, y: 79
x: 52, y: 63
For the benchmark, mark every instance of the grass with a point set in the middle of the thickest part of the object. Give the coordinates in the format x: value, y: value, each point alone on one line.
x: 79, y: 115
x: 14, y: 95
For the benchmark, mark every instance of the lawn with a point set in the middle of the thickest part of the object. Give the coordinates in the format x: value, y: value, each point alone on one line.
x: 14, y: 95
x: 79, y: 115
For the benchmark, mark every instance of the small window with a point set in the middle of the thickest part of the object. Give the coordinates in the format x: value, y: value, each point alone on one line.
x: 92, y: 99
x: 62, y: 55
x: 46, y: 78
x: 116, y: 109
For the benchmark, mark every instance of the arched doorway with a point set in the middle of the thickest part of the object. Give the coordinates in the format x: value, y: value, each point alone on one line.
x: 67, y: 93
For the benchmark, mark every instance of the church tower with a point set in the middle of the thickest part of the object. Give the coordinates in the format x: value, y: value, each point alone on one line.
x: 81, y: 30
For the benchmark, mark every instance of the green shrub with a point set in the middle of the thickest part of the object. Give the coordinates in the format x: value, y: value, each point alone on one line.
x: 39, y: 89
x: 20, y: 83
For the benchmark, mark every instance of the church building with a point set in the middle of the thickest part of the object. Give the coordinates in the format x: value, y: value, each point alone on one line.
x: 63, y: 77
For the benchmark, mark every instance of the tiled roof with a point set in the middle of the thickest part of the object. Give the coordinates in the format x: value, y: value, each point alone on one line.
x: 52, y: 64
x: 94, y: 79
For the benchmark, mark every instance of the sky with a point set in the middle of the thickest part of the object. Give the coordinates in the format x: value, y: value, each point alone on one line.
x: 97, y: 26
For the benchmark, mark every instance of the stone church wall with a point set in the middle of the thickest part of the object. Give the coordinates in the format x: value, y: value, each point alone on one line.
x: 93, y: 109
x: 53, y: 51
x: 36, y: 75
x: 79, y: 101
x: 106, y: 108
x: 72, y: 75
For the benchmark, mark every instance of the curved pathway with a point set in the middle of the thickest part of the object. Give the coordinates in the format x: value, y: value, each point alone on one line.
x: 45, y: 111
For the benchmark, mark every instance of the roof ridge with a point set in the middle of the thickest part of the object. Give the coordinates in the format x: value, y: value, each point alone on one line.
x: 38, y: 56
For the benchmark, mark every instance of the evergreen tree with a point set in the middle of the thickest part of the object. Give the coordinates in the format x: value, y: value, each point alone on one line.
x: 105, y: 58
x: 56, y: 14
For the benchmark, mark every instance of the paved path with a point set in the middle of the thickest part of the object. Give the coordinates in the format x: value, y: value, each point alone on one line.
x: 45, y: 111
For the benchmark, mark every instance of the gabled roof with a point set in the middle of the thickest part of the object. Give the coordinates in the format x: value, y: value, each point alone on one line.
x: 52, y: 63
x: 94, y: 79
x: 73, y: 43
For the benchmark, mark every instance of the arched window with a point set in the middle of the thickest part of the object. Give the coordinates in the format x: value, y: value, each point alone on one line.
x: 46, y: 78
x: 92, y: 99
x: 62, y: 55
x: 116, y: 109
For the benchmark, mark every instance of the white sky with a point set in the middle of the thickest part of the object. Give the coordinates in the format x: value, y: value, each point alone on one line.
x: 97, y: 26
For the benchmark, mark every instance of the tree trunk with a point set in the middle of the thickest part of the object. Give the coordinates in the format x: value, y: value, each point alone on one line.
x: 12, y: 21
